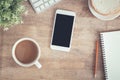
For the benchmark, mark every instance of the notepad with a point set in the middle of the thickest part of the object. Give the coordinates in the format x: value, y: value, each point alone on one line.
x: 110, y: 42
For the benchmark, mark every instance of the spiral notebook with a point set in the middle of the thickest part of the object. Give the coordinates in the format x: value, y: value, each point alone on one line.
x: 110, y: 42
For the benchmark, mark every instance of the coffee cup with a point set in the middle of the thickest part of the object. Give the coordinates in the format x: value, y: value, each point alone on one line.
x: 26, y: 52
x: 104, y: 9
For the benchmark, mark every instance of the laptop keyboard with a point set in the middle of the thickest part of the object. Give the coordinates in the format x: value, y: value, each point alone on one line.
x: 41, y: 5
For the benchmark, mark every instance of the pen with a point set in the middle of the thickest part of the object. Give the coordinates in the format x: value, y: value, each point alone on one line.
x: 96, y: 57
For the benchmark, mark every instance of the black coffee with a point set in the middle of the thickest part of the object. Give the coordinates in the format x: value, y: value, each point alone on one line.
x: 26, y: 51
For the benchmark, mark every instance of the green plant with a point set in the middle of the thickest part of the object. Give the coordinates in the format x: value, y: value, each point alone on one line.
x: 10, y: 12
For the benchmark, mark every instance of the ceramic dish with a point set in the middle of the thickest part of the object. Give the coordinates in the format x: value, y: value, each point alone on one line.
x: 101, y: 17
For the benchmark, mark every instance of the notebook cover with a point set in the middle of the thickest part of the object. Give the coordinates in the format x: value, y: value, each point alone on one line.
x: 110, y: 42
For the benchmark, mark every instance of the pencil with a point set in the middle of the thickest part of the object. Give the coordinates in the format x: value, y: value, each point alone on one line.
x: 96, y: 57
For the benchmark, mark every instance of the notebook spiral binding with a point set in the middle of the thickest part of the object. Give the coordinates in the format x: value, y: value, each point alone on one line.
x: 104, y: 57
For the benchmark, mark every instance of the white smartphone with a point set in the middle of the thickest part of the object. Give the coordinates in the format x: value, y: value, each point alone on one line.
x: 62, y: 30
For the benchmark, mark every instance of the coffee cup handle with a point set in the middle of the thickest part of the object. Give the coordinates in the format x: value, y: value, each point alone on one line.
x: 38, y: 64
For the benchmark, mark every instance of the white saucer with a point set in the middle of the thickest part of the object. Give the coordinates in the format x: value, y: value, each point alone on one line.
x: 101, y: 17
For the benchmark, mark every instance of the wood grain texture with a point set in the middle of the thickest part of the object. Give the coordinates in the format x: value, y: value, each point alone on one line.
x: 1, y: 46
x: 78, y: 64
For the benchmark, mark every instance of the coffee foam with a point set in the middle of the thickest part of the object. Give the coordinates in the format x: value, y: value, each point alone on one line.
x: 106, y: 7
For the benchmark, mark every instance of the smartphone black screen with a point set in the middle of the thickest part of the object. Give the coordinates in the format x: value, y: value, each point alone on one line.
x: 62, y: 30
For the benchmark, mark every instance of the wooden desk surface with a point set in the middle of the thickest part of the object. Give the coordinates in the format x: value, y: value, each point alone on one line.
x: 78, y: 64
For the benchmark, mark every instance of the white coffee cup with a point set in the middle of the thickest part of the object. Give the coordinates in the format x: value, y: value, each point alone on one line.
x: 35, y: 62
x: 100, y: 16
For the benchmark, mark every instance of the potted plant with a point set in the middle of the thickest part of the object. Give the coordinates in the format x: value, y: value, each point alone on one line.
x: 10, y: 13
